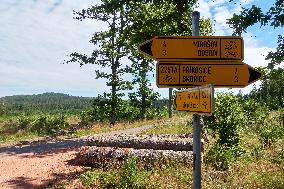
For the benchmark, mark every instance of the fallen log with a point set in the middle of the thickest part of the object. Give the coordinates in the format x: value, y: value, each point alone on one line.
x: 94, y: 156
x: 156, y: 142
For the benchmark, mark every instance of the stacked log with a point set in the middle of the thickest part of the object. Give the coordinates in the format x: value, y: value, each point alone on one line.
x: 108, y: 150
x: 155, y: 142
x: 93, y: 155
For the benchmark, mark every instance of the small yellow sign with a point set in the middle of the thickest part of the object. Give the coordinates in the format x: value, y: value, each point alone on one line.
x: 194, y: 74
x: 196, y: 100
x: 193, y: 48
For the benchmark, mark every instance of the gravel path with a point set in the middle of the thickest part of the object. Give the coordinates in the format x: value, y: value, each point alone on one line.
x: 36, y: 165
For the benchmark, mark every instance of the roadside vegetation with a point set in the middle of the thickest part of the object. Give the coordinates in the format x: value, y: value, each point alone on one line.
x: 32, y: 116
x: 249, y: 155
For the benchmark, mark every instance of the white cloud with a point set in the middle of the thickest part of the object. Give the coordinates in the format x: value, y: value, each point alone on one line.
x: 221, y: 14
x: 204, y: 9
x: 36, y: 37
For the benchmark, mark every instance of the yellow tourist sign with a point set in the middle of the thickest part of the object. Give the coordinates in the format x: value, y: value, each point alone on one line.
x: 194, y: 48
x: 193, y: 74
x: 197, y: 100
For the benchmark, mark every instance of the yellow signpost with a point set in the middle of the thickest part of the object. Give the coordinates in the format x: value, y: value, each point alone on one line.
x: 193, y: 74
x: 194, y: 48
x: 193, y: 61
x: 197, y: 100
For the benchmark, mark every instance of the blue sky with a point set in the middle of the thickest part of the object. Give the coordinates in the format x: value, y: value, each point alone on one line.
x: 37, y: 35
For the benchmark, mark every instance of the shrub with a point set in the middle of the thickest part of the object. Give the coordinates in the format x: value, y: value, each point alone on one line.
x: 255, y: 113
x: 220, y: 157
x: 226, y: 120
x: 279, y: 157
x: 152, y: 113
x: 24, y: 122
x: 104, y: 179
x: 128, y: 176
x: 131, y: 176
x: 48, y: 125
x: 86, y: 117
x: 269, y: 133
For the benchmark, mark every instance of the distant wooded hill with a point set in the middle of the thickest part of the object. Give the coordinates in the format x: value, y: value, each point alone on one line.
x: 49, y: 102
x: 52, y: 103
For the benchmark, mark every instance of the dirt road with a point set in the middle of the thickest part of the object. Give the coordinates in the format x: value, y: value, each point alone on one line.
x: 39, y: 164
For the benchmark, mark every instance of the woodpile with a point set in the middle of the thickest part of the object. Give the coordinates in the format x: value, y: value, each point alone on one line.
x: 155, y: 142
x: 105, y: 156
x: 108, y: 150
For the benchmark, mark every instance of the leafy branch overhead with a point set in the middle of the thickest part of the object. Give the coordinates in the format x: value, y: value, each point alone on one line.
x: 273, y: 17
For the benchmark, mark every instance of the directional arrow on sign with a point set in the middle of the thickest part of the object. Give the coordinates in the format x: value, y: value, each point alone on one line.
x: 193, y: 48
x: 193, y: 74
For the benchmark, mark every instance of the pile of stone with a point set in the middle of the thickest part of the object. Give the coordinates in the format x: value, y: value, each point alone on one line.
x: 147, y: 148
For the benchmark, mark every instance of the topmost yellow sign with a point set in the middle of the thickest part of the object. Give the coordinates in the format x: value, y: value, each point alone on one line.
x: 192, y: 48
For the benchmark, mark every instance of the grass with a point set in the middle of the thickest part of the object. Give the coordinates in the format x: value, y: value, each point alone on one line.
x: 10, y: 131
x: 177, y: 125
x: 258, y: 167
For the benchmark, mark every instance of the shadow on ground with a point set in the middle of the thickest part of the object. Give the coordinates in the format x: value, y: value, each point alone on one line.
x: 42, y: 148
x: 57, y: 181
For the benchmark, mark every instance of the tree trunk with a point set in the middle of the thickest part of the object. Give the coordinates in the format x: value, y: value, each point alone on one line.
x: 106, y: 156
x: 173, y: 142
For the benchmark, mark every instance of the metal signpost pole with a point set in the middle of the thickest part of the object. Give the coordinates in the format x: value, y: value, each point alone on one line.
x: 170, y: 103
x: 197, y: 122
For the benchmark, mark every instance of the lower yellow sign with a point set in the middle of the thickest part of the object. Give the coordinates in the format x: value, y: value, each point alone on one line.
x: 197, y: 100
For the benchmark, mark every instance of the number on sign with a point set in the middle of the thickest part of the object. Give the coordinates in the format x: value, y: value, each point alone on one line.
x: 236, y: 77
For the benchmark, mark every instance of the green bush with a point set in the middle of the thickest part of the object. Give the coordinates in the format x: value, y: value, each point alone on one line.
x: 227, y: 119
x: 129, y: 176
x: 48, y: 125
x: 86, y: 117
x: 24, y: 122
x: 279, y: 157
x: 269, y: 133
x: 255, y: 113
x: 104, y: 179
x: 220, y: 157
x: 152, y: 113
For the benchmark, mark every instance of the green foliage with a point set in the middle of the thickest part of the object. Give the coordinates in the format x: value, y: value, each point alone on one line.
x: 273, y: 17
x: 255, y: 113
x: 269, y: 133
x: 128, y: 176
x: 262, y: 121
x: 24, y: 122
x: 131, y: 176
x: 220, y: 157
x: 111, y: 43
x: 152, y: 113
x: 127, y: 112
x: 47, y: 125
x: 226, y: 122
x: 106, y: 180
x: 53, y: 103
x: 279, y: 157
x: 227, y: 119
x: 270, y: 180
x: 256, y: 152
x: 271, y: 90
